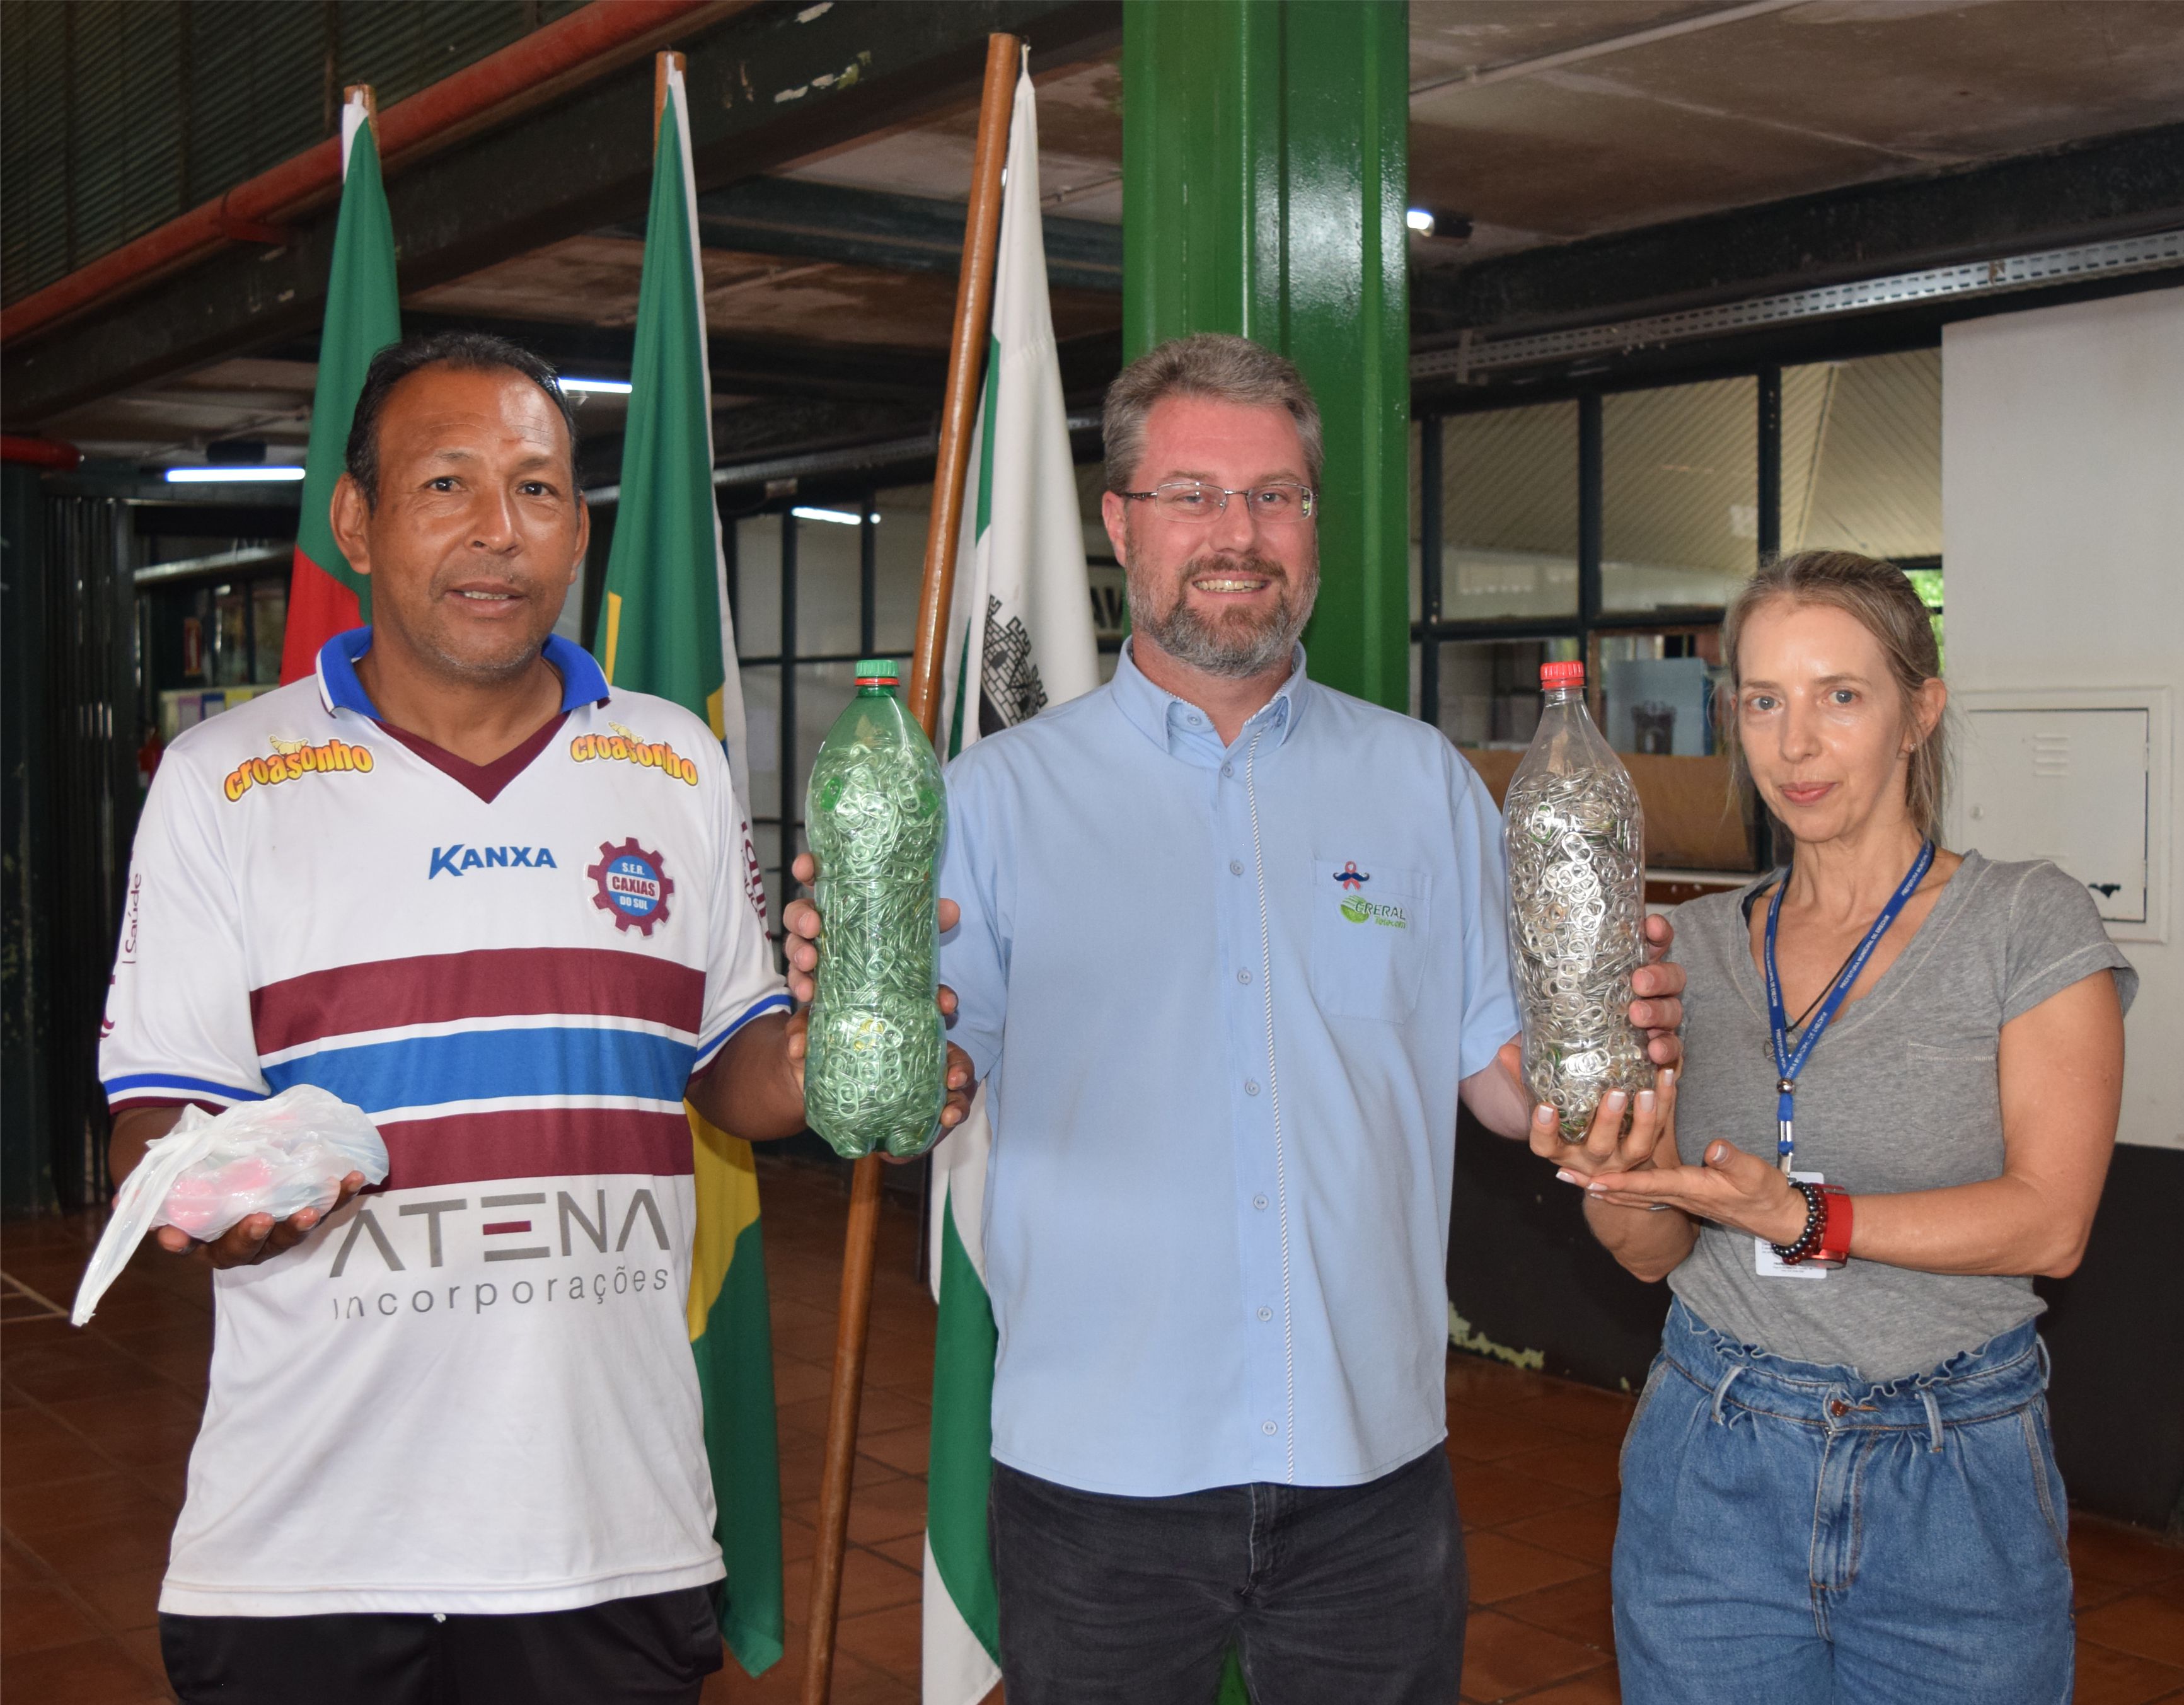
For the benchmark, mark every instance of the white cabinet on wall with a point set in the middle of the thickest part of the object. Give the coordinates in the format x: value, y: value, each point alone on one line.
x: 2078, y: 776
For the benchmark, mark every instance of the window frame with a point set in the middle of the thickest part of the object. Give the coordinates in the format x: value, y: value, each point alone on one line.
x: 1433, y: 628
x: 788, y: 820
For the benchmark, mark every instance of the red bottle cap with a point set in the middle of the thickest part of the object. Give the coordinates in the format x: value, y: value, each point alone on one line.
x: 1553, y: 675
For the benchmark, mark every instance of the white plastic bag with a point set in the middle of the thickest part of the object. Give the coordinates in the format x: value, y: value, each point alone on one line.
x: 207, y: 1174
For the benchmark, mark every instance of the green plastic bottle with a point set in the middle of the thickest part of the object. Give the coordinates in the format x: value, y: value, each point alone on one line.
x: 874, y: 813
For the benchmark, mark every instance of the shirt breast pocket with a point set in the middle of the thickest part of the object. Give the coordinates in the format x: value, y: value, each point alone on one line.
x: 1370, y: 924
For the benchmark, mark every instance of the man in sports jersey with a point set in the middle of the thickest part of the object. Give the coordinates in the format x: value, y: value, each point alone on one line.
x: 452, y: 1447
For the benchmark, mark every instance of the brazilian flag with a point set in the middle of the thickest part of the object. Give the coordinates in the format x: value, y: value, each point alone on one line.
x: 664, y: 629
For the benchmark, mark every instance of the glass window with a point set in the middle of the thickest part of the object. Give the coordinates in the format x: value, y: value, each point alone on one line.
x: 1653, y: 692
x: 825, y: 629
x: 1927, y: 583
x: 1489, y: 689
x: 1679, y: 495
x: 822, y: 690
x: 230, y: 636
x: 269, y: 618
x: 1091, y: 487
x: 1110, y: 591
x: 761, y: 685
x: 1509, y: 513
x: 1862, y: 456
x: 757, y: 571
x: 828, y: 602
x: 195, y: 658
x: 898, y: 568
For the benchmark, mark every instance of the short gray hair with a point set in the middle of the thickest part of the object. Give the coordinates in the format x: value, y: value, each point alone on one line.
x: 1206, y: 364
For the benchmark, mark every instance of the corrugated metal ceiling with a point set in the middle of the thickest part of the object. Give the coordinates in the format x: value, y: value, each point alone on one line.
x: 116, y: 115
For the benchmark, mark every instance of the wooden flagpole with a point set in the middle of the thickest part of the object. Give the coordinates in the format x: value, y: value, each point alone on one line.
x: 662, y: 62
x: 966, y: 359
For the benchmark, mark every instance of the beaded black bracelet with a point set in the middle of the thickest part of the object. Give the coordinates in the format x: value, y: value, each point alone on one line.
x: 1816, y: 1219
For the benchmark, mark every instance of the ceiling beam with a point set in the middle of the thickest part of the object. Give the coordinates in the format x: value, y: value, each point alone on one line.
x: 767, y: 87
x: 783, y: 367
x: 898, y: 233
x: 777, y: 427
x: 750, y: 367
x: 2118, y: 186
x: 797, y: 420
x: 1735, y: 354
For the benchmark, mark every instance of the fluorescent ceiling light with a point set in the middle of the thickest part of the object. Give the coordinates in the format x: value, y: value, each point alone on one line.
x: 243, y: 474
x: 840, y: 517
x: 601, y: 387
x: 1419, y: 220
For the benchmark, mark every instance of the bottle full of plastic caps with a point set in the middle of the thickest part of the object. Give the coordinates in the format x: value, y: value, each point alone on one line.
x: 874, y: 813
x: 1576, y: 839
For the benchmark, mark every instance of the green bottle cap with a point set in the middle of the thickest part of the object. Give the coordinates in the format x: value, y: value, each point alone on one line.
x: 880, y: 671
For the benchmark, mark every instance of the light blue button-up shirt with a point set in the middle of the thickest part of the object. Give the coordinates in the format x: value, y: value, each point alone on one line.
x: 1223, y: 998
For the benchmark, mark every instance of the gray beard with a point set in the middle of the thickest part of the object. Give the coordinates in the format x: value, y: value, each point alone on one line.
x: 1229, y: 649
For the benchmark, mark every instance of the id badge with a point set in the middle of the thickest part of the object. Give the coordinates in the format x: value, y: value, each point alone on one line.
x: 1769, y: 1265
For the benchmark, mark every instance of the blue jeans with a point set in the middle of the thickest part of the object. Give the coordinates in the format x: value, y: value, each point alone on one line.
x: 1330, y: 1595
x: 1792, y: 1536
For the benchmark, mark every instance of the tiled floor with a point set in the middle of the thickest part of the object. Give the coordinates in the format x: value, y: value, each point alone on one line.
x: 95, y: 1427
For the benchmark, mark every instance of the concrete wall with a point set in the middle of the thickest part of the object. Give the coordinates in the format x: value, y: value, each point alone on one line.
x: 2063, y: 517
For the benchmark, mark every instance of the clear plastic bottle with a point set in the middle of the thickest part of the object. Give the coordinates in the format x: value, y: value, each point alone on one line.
x: 1576, y: 839
x: 874, y: 813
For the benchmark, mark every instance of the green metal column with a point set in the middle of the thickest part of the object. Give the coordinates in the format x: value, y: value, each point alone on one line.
x: 1264, y: 166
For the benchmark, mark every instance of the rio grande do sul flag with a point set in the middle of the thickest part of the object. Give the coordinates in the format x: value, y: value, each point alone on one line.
x: 665, y: 628
x: 325, y: 596
x: 1019, y: 638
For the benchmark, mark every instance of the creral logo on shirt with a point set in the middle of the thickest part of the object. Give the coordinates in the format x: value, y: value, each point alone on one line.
x: 1387, y: 915
x: 458, y: 860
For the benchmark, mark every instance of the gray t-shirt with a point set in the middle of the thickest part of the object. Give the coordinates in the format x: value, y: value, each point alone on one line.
x: 1901, y: 1094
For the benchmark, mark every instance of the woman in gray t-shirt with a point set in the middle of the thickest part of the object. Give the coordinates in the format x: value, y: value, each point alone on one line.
x: 1838, y: 1483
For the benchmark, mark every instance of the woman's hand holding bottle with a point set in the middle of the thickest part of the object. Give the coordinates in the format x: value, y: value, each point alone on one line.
x: 1626, y: 1134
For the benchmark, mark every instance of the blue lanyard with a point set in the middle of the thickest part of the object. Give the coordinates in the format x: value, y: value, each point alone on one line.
x: 1789, y: 1062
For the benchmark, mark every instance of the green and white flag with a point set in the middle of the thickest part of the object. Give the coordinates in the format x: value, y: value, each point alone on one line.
x: 665, y: 629
x: 1019, y: 638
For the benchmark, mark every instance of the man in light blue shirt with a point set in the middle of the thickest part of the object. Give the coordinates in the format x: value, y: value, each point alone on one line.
x: 1222, y: 994
x: 1231, y: 945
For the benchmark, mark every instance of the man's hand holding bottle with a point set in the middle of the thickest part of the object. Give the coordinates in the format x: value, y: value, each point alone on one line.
x: 802, y: 923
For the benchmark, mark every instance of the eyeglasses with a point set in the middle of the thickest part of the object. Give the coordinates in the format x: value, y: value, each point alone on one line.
x: 1279, y: 503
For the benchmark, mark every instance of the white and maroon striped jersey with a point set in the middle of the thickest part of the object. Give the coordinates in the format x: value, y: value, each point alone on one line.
x: 472, y: 1390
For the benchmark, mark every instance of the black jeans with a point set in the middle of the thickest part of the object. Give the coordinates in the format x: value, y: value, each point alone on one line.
x: 1331, y: 1594
x: 653, y: 1650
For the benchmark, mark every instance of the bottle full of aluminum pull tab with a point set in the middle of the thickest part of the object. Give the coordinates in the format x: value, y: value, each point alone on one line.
x: 875, y: 812
x: 1576, y: 834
